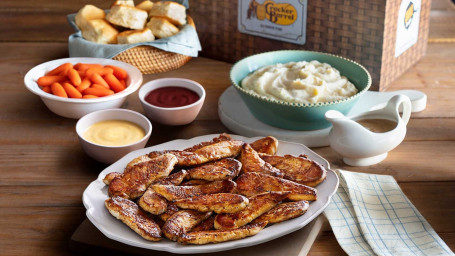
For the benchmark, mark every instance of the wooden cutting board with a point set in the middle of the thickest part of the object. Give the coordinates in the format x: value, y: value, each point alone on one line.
x: 87, y: 239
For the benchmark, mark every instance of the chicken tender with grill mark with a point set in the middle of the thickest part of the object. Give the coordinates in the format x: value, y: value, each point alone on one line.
x: 223, y: 169
x: 155, y: 203
x: 220, y: 138
x: 172, y: 193
x: 251, y: 162
x: 212, y: 152
x: 130, y: 214
x: 258, y: 205
x: 136, y: 179
x: 205, y: 225
x: 110, y: 176
x: 174, y: 179
x: 195, y: 182
x: 299, y: 169
x: 138, y: 160
x: 218, y: 236
x: 249, y: 184
x: 171, y: 210
x: 182, y: 222
x: 219, y: 203
x: 283, y: 212
x: 267, y: 145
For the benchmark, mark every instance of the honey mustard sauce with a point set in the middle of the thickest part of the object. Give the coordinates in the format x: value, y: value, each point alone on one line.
x: 114, y: 133
x: 378, y: 125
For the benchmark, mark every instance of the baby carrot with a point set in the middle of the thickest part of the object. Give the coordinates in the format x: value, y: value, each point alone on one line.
x: 48, y: 80
x: 102, y: 71
x: 84, y: 85
x: 62, y: 69
x: 74, y: 77
x: 84, y: 66
x: 71, y: 91
x: 89, y: 96
x: 98, y: 86
x: 98, y: 79
x: 57, y: 89
x: 114, y: 83
x: 100, y: 92
x: 81, y: 73
x: 46, y: 89
x: 120, y: 73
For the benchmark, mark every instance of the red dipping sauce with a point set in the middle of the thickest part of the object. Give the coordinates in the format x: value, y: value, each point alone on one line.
x: 171, y: 97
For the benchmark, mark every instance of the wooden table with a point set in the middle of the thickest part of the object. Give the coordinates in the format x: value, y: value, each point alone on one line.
x: 43, y: 170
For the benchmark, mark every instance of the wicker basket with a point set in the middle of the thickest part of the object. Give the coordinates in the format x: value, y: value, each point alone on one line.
x: 150, y: 60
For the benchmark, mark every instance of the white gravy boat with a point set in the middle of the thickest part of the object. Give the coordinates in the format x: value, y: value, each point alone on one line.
x: 361, y: 147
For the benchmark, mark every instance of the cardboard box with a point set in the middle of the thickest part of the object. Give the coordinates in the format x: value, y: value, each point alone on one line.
x: 362, y: 30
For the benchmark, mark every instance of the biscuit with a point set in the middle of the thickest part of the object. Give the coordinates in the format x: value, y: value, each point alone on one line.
x: 145, y: 5
x: 135, y: 36
x: 86, y: 13
x: 123, y: 2
x: 127, y: 16
x: 174, y: 12
x: 100, y: 31
x: 161, y: 27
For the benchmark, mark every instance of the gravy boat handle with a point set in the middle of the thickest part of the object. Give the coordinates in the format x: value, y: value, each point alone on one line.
x: 396, y: 101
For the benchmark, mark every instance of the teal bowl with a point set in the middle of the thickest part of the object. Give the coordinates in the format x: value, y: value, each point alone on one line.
x: 294, y: 116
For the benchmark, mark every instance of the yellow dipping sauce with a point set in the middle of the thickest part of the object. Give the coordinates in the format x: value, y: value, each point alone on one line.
x: 114, y: 133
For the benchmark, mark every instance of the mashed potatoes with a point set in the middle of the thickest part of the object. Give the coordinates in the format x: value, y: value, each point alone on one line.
x: 300, y: 82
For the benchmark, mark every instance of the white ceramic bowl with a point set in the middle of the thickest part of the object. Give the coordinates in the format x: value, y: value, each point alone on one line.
x: 110, y: 154
x: 76, y: 108
x: 172, y: 116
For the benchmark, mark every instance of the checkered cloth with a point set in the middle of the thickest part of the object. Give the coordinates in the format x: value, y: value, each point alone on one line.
x: 370, y: 215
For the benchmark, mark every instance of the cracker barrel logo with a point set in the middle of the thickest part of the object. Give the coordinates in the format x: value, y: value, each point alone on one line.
x: 409, y: 15
x: 281, y: 14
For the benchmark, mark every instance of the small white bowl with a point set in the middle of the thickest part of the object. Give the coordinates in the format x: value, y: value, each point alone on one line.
x: 76, y: 108
x: 110, y: 154
x: 172, y: 116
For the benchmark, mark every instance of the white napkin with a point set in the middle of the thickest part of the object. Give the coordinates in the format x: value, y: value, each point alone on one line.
x: 370, y: 215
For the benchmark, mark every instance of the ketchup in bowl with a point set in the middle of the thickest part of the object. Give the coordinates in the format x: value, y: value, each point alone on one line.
x: 171, y: 97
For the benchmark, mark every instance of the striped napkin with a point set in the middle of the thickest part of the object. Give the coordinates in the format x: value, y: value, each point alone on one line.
x: 370, y: 215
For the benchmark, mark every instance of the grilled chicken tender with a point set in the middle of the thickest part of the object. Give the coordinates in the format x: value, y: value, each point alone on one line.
x: 136, y: 179
x: 172, y: 193
x: 258, y: 205
x: 139, y: 159
x: 267, y: 145
x: 284, y: 211
x: 155, y: 203
x: 220, y: 138
x: 299, y: 169
x: 223, y: 169
x: 205, y: 225
x: 110, y: 176
x: 195, y: 182
x: 219, y: 203
x: 182, y: 222
x: 218, y: 236
x: 130, y: 214
x: 209, y: 153
x: 249, y: 184
x: 171, y: 210
x: 251, y: 162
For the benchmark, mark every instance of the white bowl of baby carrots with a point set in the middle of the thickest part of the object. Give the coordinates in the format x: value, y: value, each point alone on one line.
x: 74, y: 87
